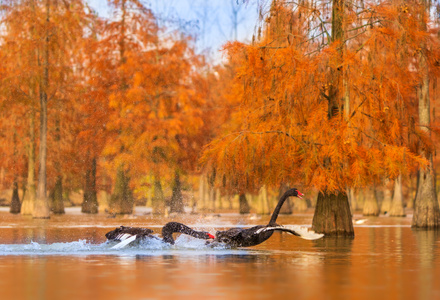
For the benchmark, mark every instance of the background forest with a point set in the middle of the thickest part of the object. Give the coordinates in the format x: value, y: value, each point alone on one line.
x: 336, y: 98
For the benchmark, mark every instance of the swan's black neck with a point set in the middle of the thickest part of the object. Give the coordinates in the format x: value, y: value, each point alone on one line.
x: 276, y: 211
x: 174, y: 227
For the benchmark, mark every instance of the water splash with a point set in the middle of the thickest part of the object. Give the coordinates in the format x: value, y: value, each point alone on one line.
x: 83, y: 247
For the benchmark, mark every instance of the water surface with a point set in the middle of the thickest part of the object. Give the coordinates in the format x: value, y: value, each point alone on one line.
x: 67, y: 257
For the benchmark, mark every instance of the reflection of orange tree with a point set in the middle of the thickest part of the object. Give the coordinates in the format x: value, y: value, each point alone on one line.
x: 328, y: 111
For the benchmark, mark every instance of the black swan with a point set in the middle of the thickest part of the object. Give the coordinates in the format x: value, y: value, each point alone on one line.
x: 240, y: 237
x: 126, y: 235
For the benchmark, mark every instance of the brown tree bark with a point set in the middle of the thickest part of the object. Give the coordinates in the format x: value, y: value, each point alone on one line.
x: 244, y: 205
x: 176, y: 204
x: 15, y: 200
x: 332, y: 215
x: 56, y: 197
x: 121, y: 201
x: 90, y: 199
x: 158, y: 200
x: 426, y: 207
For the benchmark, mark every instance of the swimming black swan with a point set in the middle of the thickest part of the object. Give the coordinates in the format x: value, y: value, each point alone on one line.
x: 126, y: 235
x: 240, y: 237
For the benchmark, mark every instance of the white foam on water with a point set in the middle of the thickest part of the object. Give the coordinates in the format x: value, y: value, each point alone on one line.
x: 183, y: 244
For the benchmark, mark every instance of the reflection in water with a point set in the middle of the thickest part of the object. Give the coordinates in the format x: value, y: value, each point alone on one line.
x: 426, y: 243
x: 336, y: 265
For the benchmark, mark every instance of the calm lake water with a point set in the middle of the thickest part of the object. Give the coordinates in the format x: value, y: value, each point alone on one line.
x: 67, y: 258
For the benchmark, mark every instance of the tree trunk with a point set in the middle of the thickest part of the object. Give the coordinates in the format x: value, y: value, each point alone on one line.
x: 27, y: 206
x: 262, y: 201
x: 56, y: 197
x: 176, y: 204
x: 386, y: 203
x: 15, y: 201
x: 299, y: 204
x: 158, y: 200
x: 244, y: 205
x: 352, y: 199
x: 426, y: 207
x: 286, y: 209
x: 90, y: 201
x: 371, y: 208
x: 219, y: 198
x: 41, y: 205
x: 201, y: 201
x: 397, y: 209
x: 122, y: 201
x: 332, y: 215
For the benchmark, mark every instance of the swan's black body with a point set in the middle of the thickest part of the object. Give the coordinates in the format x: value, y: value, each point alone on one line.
x: 135, y: 233
x: 240, y: 237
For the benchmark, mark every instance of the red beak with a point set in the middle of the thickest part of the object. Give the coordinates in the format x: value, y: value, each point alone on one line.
x: 211, y: 236
x: 300, y: 195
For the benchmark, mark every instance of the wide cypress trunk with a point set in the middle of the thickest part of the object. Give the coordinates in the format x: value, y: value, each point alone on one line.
x: 176, y: 204
x: 15, y: 200
x: 121, y: 201
x: 90, y: 199
x: 426, y: 207
x: 56, y: 197
x: 244, y: 207
x: 332, y: 215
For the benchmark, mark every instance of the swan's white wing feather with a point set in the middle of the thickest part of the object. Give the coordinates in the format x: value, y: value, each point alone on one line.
x: 305, y: 232
x: 302, y: 232
x: 125, y: 242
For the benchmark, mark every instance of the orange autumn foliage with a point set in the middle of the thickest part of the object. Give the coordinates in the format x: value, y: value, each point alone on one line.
x: 284, y: 129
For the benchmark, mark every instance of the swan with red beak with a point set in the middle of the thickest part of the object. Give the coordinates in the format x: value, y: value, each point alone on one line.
x: 241, y: 237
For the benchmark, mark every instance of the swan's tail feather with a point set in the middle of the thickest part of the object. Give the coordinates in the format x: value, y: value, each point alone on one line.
x: 304, y: 232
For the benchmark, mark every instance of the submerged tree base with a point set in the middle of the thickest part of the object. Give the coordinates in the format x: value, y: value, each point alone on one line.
x: 426, y: 208
x: 333, y: 216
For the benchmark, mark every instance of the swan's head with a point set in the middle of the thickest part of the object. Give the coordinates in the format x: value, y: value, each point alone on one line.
x: 294, y: 193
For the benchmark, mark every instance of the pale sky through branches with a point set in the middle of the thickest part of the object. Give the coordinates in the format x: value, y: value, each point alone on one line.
x: 211, y: 22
